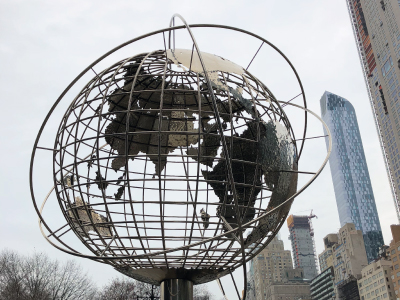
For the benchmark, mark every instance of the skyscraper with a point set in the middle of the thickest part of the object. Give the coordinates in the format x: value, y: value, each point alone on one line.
x: 271, y: 275
x: 376, y: 27
x: 353, y: 191
x: 301, y: 237
x: 349, y: 257
x: 269, y: 266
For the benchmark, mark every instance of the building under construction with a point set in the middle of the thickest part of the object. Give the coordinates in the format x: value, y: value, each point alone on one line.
x: 303, y: 247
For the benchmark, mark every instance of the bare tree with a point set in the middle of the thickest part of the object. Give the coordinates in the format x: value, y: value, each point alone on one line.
x: 38, y: 277
x: 201, y: 292
x: 118, y: 289
x: 129, y: 289
x: 146, y: 290
x: 11, y: 276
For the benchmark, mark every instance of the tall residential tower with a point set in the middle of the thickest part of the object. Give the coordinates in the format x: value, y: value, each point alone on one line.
x: 353, y: 191
x: 376, y: 27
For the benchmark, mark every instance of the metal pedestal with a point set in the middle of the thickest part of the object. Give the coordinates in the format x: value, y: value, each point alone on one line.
x: 176, y: 289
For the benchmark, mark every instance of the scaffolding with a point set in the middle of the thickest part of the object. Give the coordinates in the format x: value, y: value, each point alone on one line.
x: 306, y: 223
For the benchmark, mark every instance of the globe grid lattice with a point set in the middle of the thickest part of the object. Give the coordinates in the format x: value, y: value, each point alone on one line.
x: 141, y: 175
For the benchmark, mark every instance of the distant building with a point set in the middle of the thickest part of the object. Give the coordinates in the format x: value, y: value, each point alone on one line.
x: 322, y: 286
x: 293, y: 275
x: 376, y: 282
x: 302, y: 239
x: 394, y: 253
x: 289, y: 291
x: 326, y: 257
x: 251, y: 290
x: 292, y: 287
x: 353, y: 191
x: 349, y: 256
x: 269, y: 266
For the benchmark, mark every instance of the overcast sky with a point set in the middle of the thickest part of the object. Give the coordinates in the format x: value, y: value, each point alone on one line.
x: 45, y: 44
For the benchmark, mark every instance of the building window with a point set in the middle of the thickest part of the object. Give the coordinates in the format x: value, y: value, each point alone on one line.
x: 386, y: 67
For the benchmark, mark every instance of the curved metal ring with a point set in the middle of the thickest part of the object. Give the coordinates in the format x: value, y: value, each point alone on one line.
x: 73, y: 252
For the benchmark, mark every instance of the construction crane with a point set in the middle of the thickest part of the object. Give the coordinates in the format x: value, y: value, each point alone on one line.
x: 312, y: 237
x: 309, y: 222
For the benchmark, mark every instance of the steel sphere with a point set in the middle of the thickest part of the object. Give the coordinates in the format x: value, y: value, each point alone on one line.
x: 173, y: 164
x: 157, y: 176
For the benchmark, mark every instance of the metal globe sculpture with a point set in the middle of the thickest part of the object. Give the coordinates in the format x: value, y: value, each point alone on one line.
x: 173, y: 164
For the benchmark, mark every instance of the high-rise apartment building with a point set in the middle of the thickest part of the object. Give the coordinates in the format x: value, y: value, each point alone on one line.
x: 326, y: 257
x: 302, y: 239
x: 353, y: 191
x: 269, y: 267
x: 394, y: 254
x: 322, y: 286
x: 341, y: 263
x: 349, y: 256
x: 376, y: 26
x: 376, y: 282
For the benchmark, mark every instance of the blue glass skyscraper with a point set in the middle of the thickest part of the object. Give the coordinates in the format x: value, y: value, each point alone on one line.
x: 353, y: 191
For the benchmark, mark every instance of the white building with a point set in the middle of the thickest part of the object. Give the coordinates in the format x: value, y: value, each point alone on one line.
x: 376, y: 282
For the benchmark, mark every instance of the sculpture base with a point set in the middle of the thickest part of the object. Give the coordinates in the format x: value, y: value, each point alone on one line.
x: 176, y: 289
